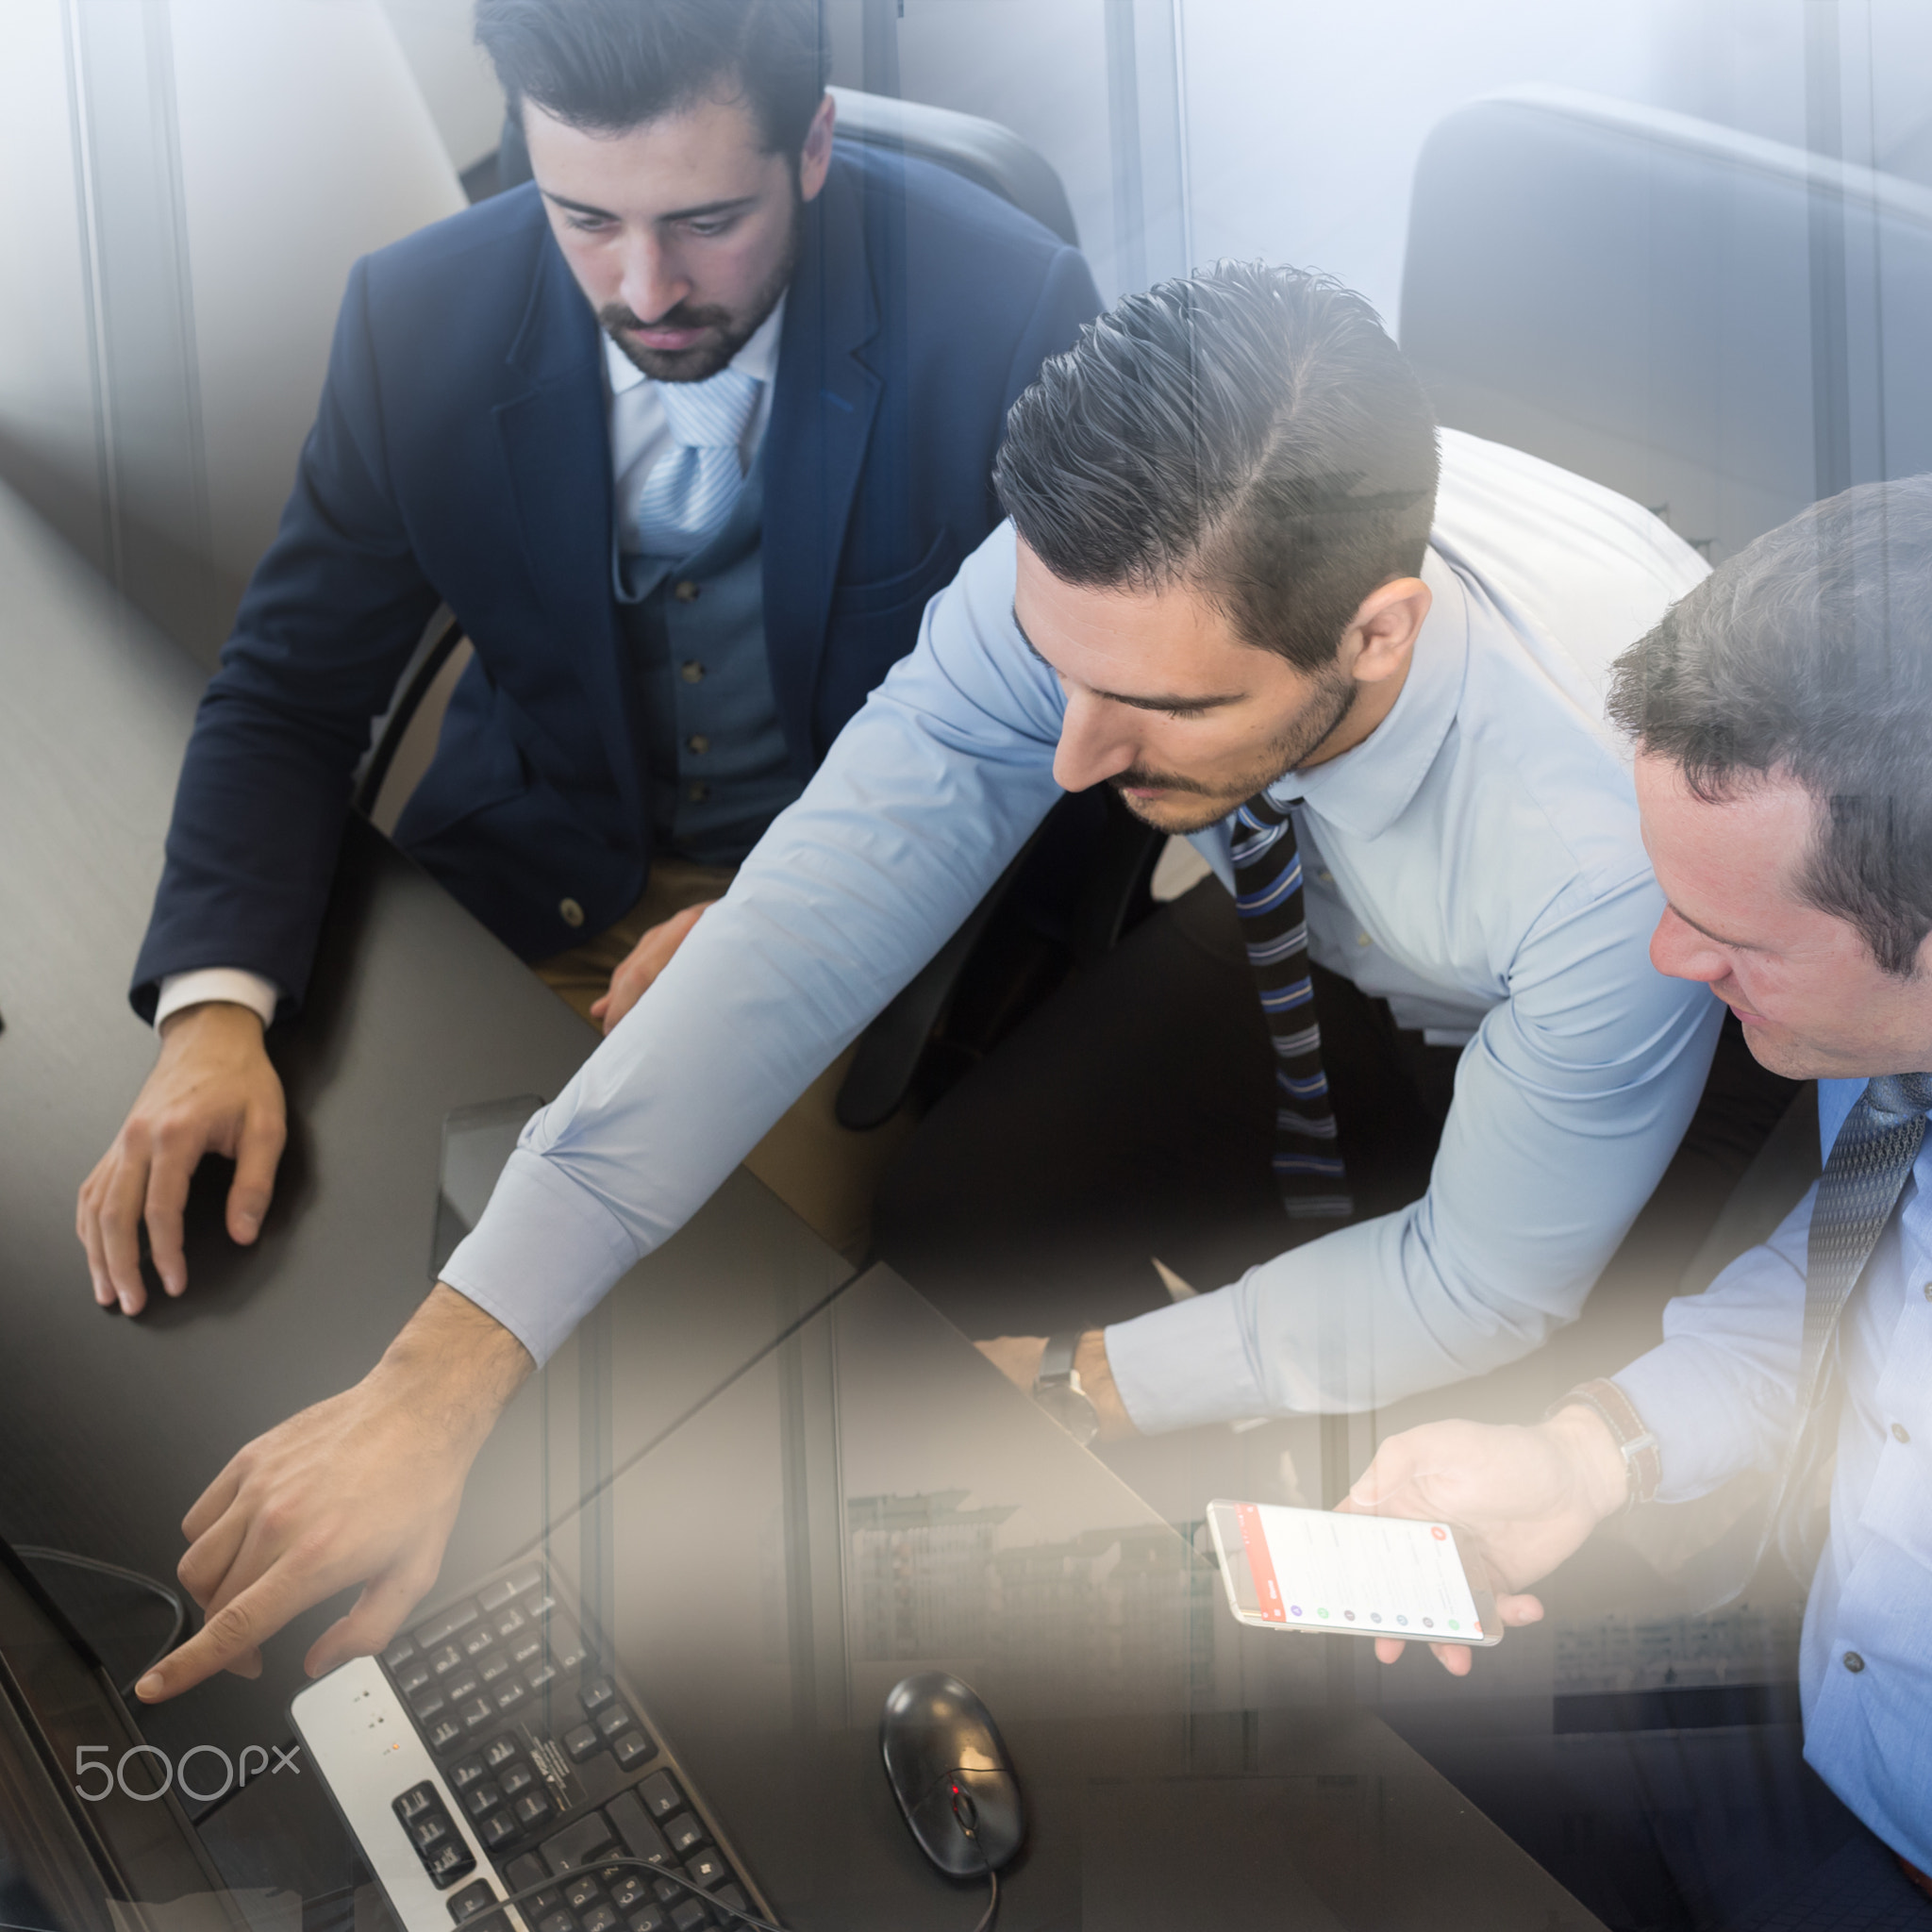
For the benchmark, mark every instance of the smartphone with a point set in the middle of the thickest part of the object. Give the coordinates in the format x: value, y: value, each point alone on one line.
x: 477, y: 1142
x: 1363, y: 1575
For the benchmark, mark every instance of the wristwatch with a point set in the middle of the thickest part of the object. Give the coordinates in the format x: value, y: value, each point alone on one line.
x: 1642, y: 1460
x: 1057, y: 1388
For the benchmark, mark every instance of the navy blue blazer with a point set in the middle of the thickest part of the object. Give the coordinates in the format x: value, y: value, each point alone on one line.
x: 461, y: 456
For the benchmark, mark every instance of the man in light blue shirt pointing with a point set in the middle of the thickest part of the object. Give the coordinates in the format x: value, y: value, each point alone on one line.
x: 1270, y: 614
x: 1782, y: 714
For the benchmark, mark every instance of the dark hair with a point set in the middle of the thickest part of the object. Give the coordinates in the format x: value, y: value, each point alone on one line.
x: 1808, y: 653
x: 607, y: 65
x: 1249, y: 431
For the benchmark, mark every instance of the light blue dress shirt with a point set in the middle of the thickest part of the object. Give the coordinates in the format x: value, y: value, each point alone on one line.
x: 1475, y: 860
x: 1719, y: 1395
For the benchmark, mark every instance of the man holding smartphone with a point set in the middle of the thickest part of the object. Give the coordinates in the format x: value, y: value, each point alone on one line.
x: 1781, y: 713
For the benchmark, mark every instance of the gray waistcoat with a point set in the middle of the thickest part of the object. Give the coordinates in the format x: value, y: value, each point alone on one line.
x: 695, y: 628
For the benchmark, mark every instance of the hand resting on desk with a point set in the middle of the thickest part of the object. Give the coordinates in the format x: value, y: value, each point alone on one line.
x: 213, y: 1090
x: 361, y: 1488
x: 1529, y: 1497
x: 646, y: 960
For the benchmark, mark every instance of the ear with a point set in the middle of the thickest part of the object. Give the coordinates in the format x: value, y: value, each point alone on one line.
x: 1380, y: 642
x: 815, y: 161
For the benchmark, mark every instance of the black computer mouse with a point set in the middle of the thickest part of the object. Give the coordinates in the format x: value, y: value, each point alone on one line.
x: 951, y: 1775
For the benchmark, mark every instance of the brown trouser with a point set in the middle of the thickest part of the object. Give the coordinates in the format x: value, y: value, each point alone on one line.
x: 826, y: 1174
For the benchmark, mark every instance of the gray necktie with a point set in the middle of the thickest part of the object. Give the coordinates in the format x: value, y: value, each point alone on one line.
x: 1864, y: 1179
x: 687, y: 498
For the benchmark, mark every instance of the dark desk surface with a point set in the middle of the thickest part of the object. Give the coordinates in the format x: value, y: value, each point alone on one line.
x: 754, y: 1588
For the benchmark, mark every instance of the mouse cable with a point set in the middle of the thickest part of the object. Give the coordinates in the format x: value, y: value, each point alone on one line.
x: 597, y: 1865
x: 33, y: 1553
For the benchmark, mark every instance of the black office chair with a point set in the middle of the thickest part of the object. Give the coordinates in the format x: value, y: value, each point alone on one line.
x: 1119, y: 861
x: 1722, y: 328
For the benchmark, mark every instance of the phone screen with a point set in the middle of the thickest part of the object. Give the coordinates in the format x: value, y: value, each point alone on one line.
x: 1369, y: 1574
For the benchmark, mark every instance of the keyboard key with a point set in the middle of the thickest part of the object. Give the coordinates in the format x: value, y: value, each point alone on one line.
x: 498, y: 1593
x: 630, y: 1892
x: 510, y: 1694
x: 648, y: 1918
x: 707, y: 1867
x: 541, y: 1902
x: 538, y: 1604
x: 425, y: 1703
x: 578, y: 1844
x: 661, y: 1794
x: 429, y: 1830
x: 481, y: 1798
x: 474, y: 1898
x: 399, y: 1652
x: 476, y: 1713
x: 445, y: 1659
x: 445, y: 1733
x: 602, y: 1917
x: 465, y: 1772
x: 632, y: 1750
x: 690, y: 1915
x: 510, y: 1620
x: 495, y: 1668
x: 523, y: 1873
x: 498, y: 1751
x: 581, y: 1891
x: 526, y: 1651
x: 412, y: 1678
x: 642, y: 1838
x: 610, y: 1722
x: 532, y: 1808
x: 453, y: 1861
x: 582, y: 1742
x: 596, y: 1694
x: 478, y: 1641
x: 558, y: 1921
x: 733, y: 1896
x: 517, y: 1778
x: 464, y: 1684
x: 441, y: 1629
x: 684, y: 1833
x: 497, y: 1830
x: 414, y: 1802
x: 566, y: 1647
x: 538, y: 1675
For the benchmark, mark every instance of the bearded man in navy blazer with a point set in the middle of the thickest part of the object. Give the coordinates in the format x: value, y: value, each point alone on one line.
x: 685, y: 433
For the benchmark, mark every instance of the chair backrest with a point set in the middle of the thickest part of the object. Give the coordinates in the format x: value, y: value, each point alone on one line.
x: 1722, y: 328
x: 981, y: 151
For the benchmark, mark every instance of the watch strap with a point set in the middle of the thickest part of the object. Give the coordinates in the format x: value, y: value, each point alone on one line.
x: 1643, y: 1459
x: 1056, y: 1357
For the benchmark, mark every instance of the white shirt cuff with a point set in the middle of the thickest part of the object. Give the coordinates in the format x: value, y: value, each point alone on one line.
x: 225, y: 983
x: 1186, y: 1365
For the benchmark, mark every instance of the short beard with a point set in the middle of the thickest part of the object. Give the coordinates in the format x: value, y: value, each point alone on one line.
x: 1333, y: 699
x: 704, y: 359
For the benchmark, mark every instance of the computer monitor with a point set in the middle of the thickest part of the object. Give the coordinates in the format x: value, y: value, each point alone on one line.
x: 92, y: 1834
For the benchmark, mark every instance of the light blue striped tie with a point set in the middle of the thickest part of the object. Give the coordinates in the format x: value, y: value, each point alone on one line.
x: 688, y: 496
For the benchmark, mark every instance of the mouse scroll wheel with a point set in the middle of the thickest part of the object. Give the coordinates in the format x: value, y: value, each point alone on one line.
x: 964, y: 1809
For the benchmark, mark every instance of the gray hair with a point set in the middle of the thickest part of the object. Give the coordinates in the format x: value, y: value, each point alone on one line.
x: 1808, y: 654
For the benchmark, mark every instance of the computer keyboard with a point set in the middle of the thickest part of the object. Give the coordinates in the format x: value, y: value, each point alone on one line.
x: 493, y: 1748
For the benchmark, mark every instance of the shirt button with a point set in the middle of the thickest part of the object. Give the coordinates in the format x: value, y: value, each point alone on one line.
x: 697, y: 743
x: 570, y: 912
x: 698, y: 793
x: 685, y: 591
x: 1900, y: 1433
x: 1928, y: 1291
x: 1361, y: 939
x: 1327, y: 877
x: 1854, y: 1662
x: 691, y: 671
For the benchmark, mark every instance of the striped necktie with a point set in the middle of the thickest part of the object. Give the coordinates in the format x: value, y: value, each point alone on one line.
x: 1870, y: 1160
x: 1268, y: 896
x: 687, y: 498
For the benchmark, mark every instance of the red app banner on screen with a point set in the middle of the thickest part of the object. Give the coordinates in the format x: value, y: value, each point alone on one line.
x: 1255, y: 1541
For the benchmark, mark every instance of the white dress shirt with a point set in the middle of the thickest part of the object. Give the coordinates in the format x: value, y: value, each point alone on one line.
x: 639, y: 435
x: 1477, y: 860
x: 1720, y: 1396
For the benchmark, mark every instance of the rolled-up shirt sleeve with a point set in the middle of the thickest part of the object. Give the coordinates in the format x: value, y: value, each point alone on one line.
x: 1569, y: 1103
x: 923, y: 801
